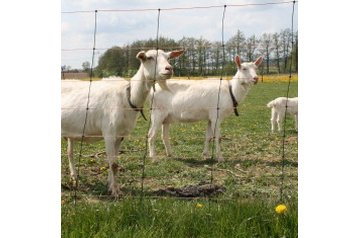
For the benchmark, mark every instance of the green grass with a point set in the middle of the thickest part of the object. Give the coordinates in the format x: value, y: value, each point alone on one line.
x: 176, y: 218
x: 250, y: 174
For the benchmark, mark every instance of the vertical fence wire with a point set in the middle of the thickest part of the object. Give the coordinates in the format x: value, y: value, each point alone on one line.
x: 87, y: 108
x: 218, y: 99
x: 151, y: 109
x: 283, y: 159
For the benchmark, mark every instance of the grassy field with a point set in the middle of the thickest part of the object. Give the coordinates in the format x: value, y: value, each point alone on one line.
x: 176, y: 218
x: 249, y: 179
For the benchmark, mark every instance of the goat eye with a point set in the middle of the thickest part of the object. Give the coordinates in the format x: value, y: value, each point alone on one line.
x: 150, y: 58
x: 244, y: 69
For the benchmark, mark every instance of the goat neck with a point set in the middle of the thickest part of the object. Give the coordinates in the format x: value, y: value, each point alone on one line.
x: 140, y: 87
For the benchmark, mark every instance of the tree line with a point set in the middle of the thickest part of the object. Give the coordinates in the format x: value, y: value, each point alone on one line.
x: 205, y: 58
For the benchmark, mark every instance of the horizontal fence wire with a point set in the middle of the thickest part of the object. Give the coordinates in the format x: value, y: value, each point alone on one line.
x: 153, y: 108
x: 212, y: 78
x: 124, y: 48
x: 199, y: 137
x: 179, y: 8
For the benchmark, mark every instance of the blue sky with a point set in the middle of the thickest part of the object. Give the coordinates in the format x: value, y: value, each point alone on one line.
x: 119, y: 28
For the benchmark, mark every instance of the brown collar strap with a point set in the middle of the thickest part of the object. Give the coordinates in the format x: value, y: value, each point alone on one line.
x: 135, y: 108
x: 234, y: 102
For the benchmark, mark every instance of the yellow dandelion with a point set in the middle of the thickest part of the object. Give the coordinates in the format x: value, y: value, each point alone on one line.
x: 199, y: 205
x: 103, y: 168
x: 281, y: 208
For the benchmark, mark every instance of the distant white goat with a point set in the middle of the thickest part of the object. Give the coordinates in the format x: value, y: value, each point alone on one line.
x: 278, y: 107
x: 112, y: 108
x: 196, y: 100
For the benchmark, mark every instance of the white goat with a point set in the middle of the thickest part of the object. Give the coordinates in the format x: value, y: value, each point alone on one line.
x: 112, y: 108
x: 196, y: 100
x: 278, y: 106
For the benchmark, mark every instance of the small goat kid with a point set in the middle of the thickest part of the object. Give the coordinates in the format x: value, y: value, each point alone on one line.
x: 112, y: 108
x: 278, y: 106
x: 196, y: 100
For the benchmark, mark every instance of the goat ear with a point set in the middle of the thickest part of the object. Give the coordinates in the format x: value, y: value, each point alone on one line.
x: 238, y: 61
x: 259, y: 61
x: 175, y: 53
x: 141, y: 56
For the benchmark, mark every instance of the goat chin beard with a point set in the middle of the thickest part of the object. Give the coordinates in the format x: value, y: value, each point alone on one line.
x: 163, y: 85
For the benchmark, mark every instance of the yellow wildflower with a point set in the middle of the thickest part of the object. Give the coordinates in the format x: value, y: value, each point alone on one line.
x: 281, y: 208
x: 199, y: 205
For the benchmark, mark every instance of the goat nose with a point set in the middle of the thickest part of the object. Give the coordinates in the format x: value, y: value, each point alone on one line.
x: 169, y: 68
x: 256, y: 79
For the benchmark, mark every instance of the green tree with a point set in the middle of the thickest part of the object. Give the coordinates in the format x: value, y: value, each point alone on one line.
x: 236, y: 44
x: 250, y: 45
x: 265, y: 49
x: 203, y: 57
x: 285, y: 36
x: 86, y: 66
x: 277, y: 50
x: 111, y: 63
x: 294, y: 54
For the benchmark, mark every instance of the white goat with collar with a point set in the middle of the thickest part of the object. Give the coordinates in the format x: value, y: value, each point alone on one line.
x: 112, y: 109
x: 196, y: 100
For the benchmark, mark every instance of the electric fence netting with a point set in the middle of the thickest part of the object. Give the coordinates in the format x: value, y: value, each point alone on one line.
x: 257, y: 163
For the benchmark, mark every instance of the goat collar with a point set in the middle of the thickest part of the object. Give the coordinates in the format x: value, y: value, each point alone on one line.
x: 234, y: 102
x: 134, y: 107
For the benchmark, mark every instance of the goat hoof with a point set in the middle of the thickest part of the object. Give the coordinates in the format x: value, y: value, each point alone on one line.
x: 73, y: 180
x: 117, y: 194
x: 116, y: 191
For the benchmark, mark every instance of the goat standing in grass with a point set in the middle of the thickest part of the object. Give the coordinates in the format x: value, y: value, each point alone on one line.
x: 112, y: 108
x: 278, y: 108
x: 196, y: 100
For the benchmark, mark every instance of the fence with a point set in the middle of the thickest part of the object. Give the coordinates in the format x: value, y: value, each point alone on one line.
x: 136, y: 178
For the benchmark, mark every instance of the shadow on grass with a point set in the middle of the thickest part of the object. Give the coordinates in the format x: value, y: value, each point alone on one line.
x: 246, y: 163
x: 196, y: 162
x: 191, y: 192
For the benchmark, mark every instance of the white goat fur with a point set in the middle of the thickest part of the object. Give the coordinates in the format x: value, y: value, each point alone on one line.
x: 110, y: 116
x: 196, y: 100
x: 278, y: 106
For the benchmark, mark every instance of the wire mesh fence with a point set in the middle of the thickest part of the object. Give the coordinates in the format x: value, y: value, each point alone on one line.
x: 247, y: 144
x: 257, y: 163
